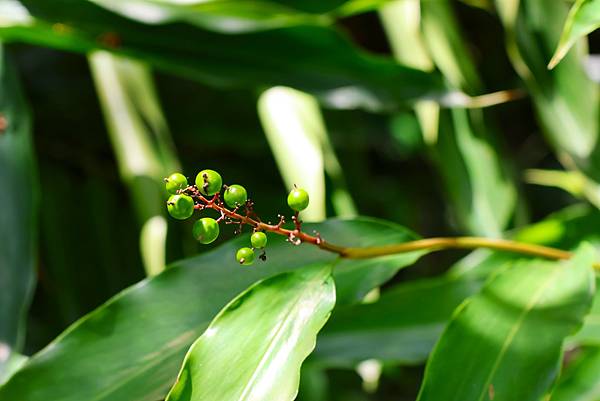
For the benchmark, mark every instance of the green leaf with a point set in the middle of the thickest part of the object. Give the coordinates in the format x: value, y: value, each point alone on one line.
x: 296, y: 133
x: 18, y: 215
x: 565, y: 229
x: 11, y: 365
x: 447, y: 46
x: 227, y: 16
x: 590, y: 332
x: 255, y: 346
x: 583, y: 18
x: 390, y: 330
x: 565, y: 99
x: 467, y: 154
x: 142, y: 145
x: 140, y: 336
x: 505, y: 343
x: 401, y: 327
x: 314, y: 59
x: 475, y: 177
x: 580, y: 380
x: 238, y: 16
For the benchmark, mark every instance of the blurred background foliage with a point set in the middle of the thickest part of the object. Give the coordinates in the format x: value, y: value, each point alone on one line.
x: 122, y: 93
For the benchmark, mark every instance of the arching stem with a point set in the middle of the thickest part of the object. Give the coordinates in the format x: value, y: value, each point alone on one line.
x: 430, y: 244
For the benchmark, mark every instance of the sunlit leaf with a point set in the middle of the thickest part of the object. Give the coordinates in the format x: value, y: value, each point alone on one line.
x: 583, y: 18
x: 404, y: 324
x: 255, y: 346
x: 229, y: 16
x: 463, y: 142
x: 296, y: 132
x: 506, y: 342
x: 318, y: 60
x: 175, y: 307
x: 142, y: 145
x: 565, y: 98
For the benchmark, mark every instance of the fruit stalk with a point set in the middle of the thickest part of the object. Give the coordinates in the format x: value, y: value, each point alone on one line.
x: 297, y: 236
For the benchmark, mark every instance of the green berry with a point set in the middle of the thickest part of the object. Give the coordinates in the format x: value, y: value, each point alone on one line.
x: 175, y: 182
x: 245, y: 256
x: 180, y: 206
x: 206, y: 230
x: 258, y: 240
x: 235, y: 195
x: 298, y: 199
x: 209, y: 182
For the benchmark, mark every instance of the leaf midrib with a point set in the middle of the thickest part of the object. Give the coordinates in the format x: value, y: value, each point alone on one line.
x: 268, y: 352
x: 515, y: 329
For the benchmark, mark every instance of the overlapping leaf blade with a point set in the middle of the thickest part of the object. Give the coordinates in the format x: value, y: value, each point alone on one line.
x: 462, y: 142
x: 506, y: 342
x: 580, y: 381
x: 221, y: 16
x: 131, y: 347
x: 141, y: 142
x: 404, y: 324
x: 315, y: 59
x: 565, y: 98
x: 401, y: 327
x: 235, y: 16
x: 255, y: 346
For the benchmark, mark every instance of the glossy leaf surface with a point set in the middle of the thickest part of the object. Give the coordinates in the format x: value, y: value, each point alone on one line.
x: 505, y: 343
x: 110, y: 355
x: 254, y: 348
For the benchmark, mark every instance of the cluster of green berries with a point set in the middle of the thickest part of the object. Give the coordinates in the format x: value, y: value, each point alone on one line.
x: 245, y: 256
x: 181, y: 206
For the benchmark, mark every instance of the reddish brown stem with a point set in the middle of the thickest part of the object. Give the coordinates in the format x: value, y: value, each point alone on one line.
x: 431, y: 244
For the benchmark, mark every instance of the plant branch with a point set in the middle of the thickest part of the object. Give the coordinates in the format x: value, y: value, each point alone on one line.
x: 296, y: 236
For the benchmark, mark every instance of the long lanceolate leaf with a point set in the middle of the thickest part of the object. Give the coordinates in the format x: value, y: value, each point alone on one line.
x: 141, y: 142
x: 253, y: 349
x: 18, y: 214
x: 583, y: 18
x: 565, y: 99
x: 505, y: 343
x: 401, y: 327
x: 131, y: 347
x: 476, y: 179
x: 315, y: 59
x: 406, y: 322
x: 296, y: 132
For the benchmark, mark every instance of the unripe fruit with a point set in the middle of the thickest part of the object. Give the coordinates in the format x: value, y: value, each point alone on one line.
x: 209, y: 182
x: 258, y: 240
x: 205, y: 230
x: 175, y: 182
x: 180, y: 206
x: 245, y: 256
x: 235, y: 195
x: 298, y: 199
